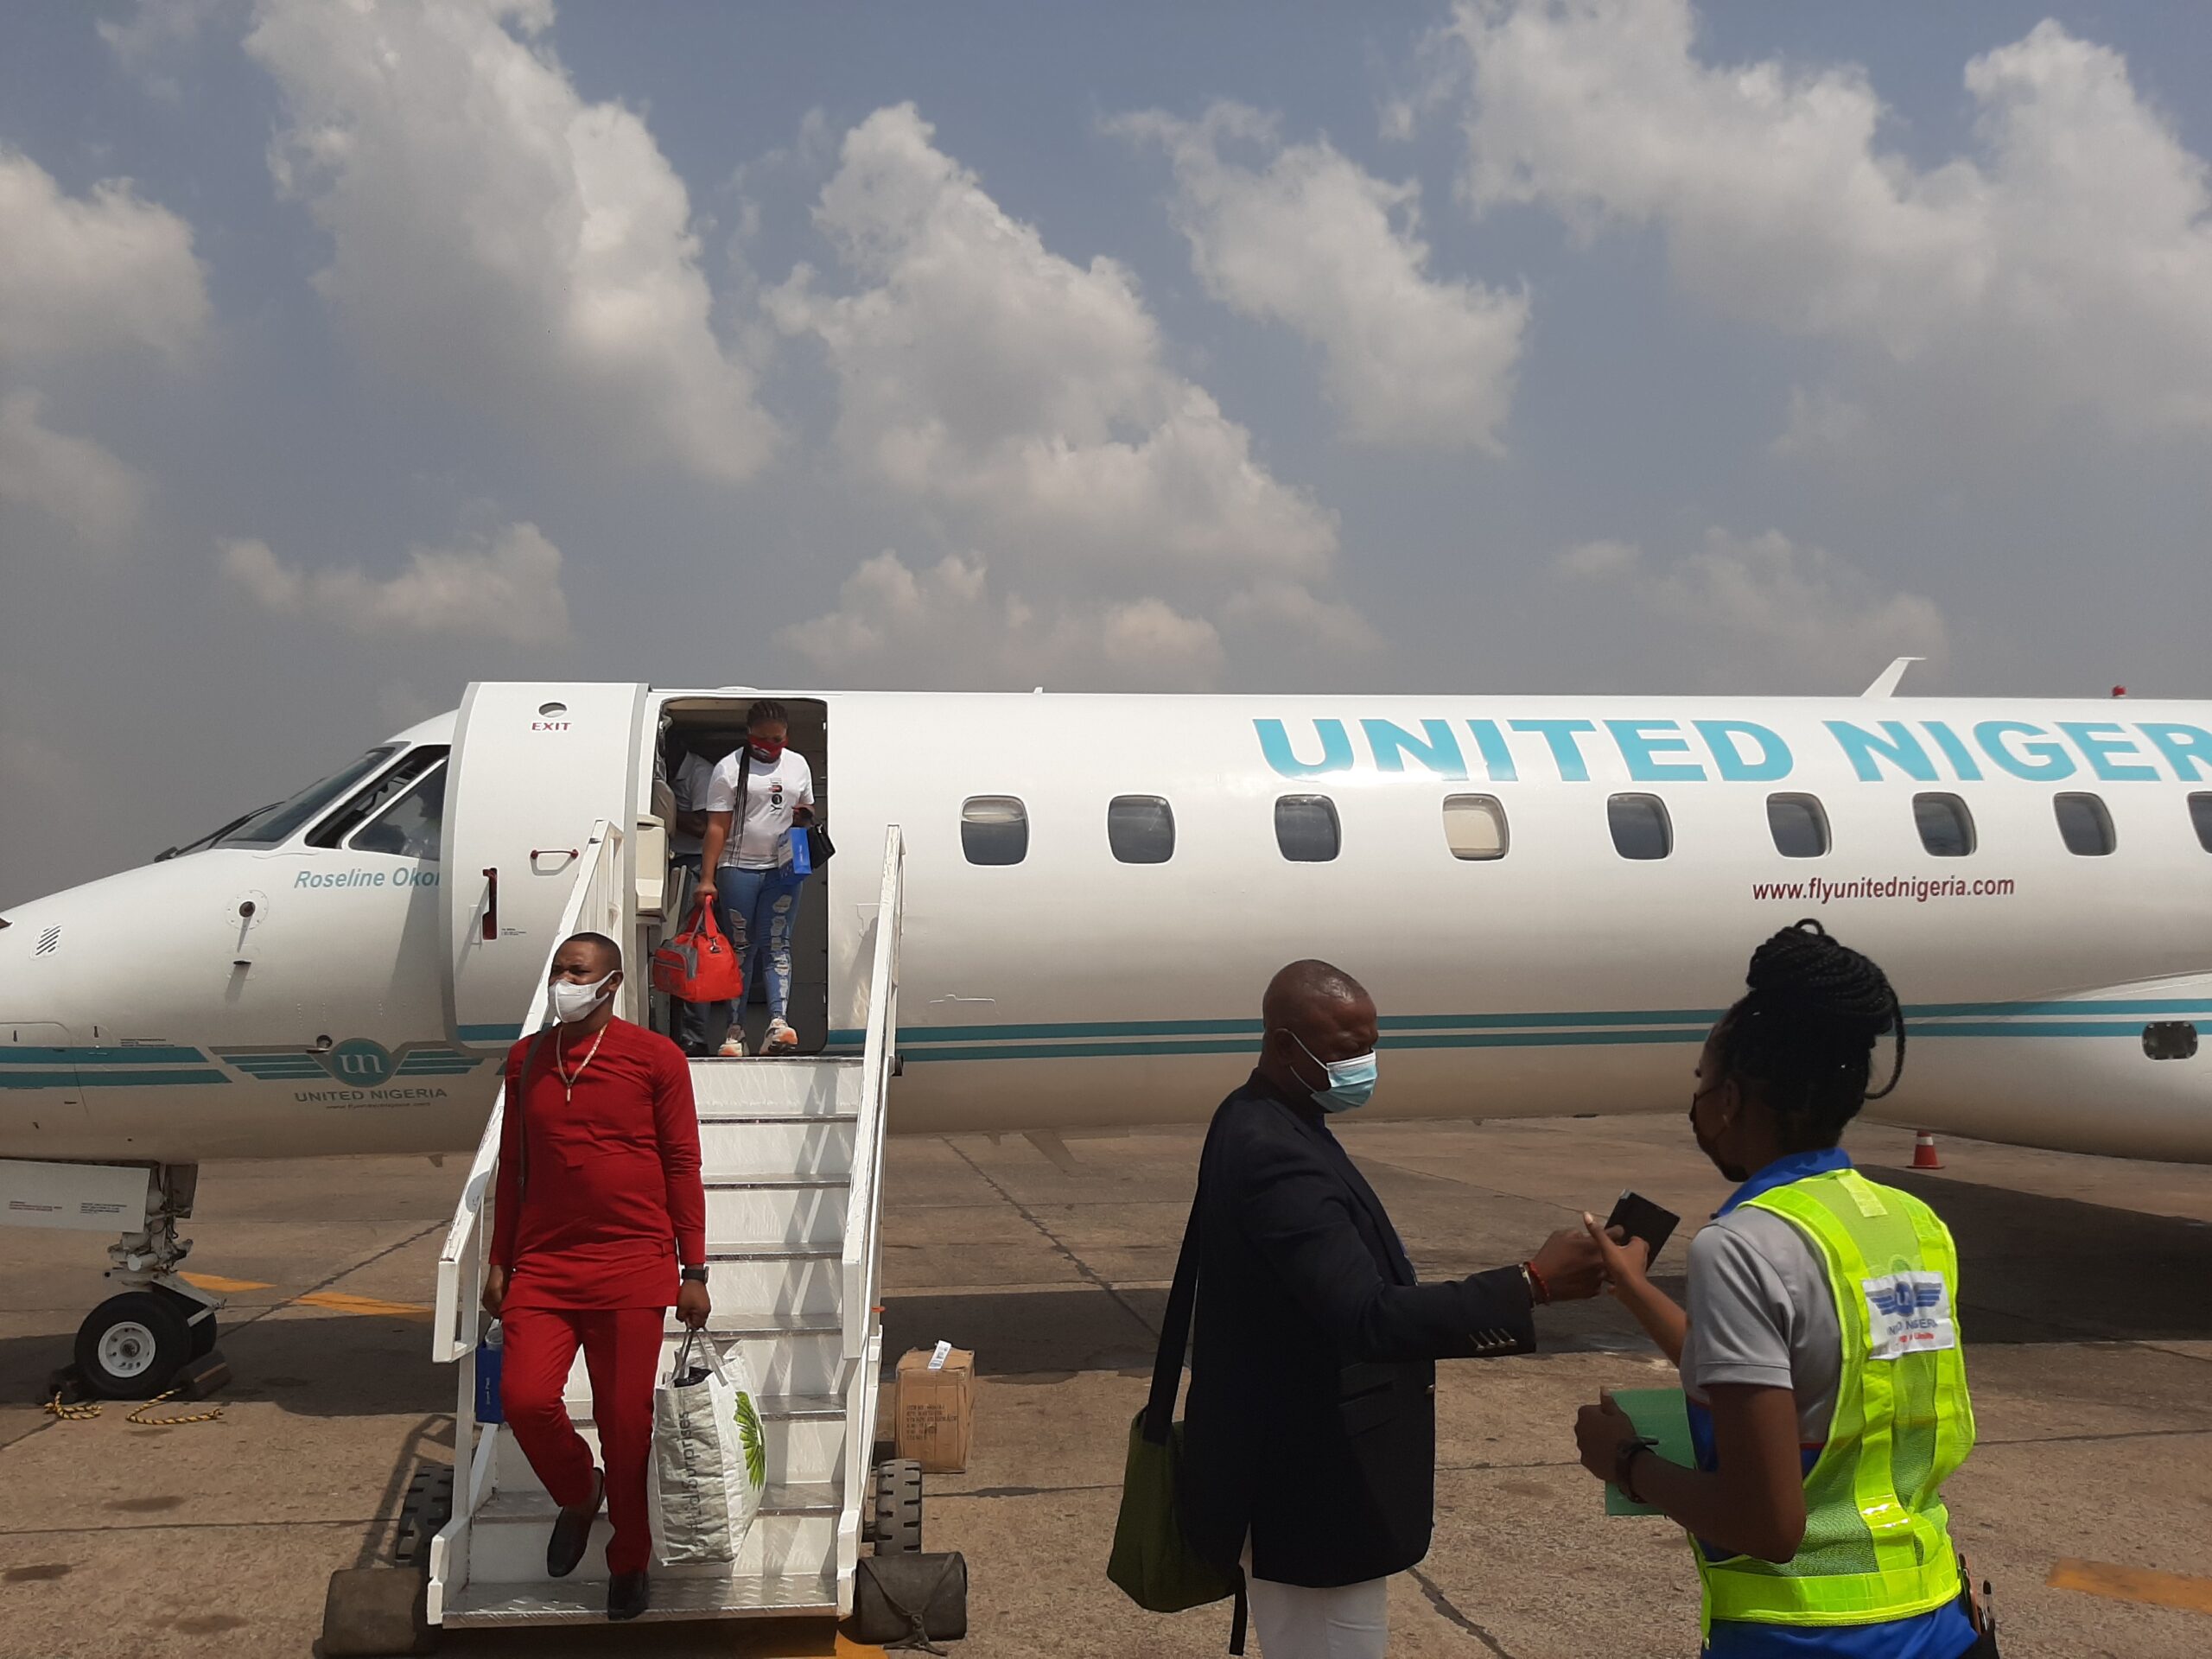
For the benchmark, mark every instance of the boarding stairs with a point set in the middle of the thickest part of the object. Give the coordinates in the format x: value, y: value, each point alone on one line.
x: 791, y: 1156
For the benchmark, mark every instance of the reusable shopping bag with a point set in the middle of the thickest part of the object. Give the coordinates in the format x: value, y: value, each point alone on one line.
x: 709, y: 1457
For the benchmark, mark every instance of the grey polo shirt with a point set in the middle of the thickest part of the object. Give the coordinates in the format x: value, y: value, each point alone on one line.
x: 1761, y: 1312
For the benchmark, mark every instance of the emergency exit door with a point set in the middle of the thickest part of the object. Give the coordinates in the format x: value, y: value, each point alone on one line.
x: 534, y: 766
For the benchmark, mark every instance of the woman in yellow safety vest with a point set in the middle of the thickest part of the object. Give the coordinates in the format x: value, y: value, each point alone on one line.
x: 1820, y: 1351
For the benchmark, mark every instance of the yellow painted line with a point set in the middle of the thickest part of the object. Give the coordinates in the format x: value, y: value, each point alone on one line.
x: 337, y: 1301
x: 2132, y: 1584
x: 222, y: 1287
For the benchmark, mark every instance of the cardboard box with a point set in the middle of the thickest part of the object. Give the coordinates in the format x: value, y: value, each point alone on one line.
x: 937, y: 1409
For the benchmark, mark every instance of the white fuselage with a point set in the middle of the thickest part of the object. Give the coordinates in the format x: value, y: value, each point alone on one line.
x: 153, y: 1021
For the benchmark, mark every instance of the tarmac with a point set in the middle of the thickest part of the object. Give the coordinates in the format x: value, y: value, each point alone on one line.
x: 2085, y: 1305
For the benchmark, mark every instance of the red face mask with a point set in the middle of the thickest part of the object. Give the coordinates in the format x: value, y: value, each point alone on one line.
x: 767, y: 749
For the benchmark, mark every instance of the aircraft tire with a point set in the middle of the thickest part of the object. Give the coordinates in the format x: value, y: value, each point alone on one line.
x: 898, y: 1508
x: 131, y: 1347
x: 203, y: 1336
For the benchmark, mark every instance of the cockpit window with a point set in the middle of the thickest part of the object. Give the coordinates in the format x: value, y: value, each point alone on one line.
x: 410, y: 827
x: 274, y: 823
x: 333, y: 830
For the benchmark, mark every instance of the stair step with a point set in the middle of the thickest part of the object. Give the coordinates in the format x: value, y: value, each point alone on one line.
x: 771, y: 1181
x: 788, y: 1146
x: 800, y: 1211
x: 771, y: 1251
x: 583, y: 1601
x: 795, y: 1531
x: 780, y: 1089
x: 772, y: 1408
x: 528, y: 1505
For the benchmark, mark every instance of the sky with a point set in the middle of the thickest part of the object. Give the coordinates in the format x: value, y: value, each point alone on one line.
x: 351, y: 353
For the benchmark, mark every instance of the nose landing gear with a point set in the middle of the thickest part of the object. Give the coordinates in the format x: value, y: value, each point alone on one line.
x: 133, y: 1345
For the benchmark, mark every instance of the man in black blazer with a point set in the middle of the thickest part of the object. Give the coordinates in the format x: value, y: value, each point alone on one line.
x: 1310, y: 1427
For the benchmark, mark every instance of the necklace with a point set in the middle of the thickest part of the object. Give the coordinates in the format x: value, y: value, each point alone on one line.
x: 560, y: 1066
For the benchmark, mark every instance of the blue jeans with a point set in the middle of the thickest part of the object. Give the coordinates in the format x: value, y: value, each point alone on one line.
x: 768, y: 901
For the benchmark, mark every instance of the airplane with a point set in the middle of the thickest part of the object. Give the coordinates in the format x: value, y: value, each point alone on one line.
x: 1552, y: 900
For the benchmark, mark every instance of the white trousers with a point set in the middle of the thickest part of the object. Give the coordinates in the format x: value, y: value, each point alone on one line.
x: 1292, y: 1622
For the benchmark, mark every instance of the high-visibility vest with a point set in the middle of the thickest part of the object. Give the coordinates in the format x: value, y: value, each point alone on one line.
x: 1877, y: 1544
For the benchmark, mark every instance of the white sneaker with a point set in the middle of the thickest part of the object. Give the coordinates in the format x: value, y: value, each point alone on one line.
x: 732, y: 1046
x: 780, y: 1038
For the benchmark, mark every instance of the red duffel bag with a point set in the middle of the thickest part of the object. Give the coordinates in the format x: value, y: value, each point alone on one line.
x: 699, y: 964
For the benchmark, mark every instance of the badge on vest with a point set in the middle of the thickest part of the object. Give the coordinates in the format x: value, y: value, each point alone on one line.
x: 1909, y: 1312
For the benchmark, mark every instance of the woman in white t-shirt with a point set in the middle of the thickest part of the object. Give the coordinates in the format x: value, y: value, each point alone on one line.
x: 744, y: 874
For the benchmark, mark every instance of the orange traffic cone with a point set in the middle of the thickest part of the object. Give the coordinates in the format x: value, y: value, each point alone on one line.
x: 1923, y: 1150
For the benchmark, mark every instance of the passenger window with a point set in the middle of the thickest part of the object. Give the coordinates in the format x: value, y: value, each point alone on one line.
x: 993, y: 830
x: 1946, y: 826
x: 1140, y: 829
x: 410, y: 827
x: 334, y: 831
x: 1799, y: 825
x: 2200, y: 814
x: 2084, y: 825
x: 1474, y: 826
x: 1306, y: 829
x: 1640, y: 825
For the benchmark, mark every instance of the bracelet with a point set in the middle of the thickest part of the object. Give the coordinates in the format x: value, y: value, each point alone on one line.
x: 1540, y: 1293
x: 693, y: 1275
x: 1624, y: 1460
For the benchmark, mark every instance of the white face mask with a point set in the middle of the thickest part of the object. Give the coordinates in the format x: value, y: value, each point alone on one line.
x: 572, y: 1002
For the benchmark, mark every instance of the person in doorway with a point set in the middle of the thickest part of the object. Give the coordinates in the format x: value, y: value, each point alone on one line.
x: 757, y: 796
x: 700, y: 1027
x: 600, y: 1224
x: 1309, y: 1450
x: 1820, y: 1351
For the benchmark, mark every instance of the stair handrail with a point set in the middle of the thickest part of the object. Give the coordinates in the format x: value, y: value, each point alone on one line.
x: 862, y: 1256
x: 594, y: 905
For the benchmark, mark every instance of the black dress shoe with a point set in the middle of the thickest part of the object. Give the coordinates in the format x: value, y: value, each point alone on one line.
x: 572, y: 1531
x: 628, y: 1594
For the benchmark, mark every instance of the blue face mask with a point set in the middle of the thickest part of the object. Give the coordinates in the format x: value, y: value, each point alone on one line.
x: 1352, y: 1082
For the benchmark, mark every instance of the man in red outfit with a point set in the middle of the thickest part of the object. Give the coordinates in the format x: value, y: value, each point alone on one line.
x: 600, y: 1223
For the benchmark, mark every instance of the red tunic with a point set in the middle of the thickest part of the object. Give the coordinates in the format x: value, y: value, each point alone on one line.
x: 610, y: 1196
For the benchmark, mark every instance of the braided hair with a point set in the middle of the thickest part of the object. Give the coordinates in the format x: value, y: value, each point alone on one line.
x: 1805, y: 1032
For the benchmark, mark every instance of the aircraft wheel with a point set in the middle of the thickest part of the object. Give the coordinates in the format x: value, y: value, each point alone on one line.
x: 131, y: 1347
x: 898, y: 1506
x: 203, y: 1337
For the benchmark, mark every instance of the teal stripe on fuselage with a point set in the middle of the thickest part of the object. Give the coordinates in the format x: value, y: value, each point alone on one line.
x: 2002, y: 1010
x: 152, y: 1054
x: 112, y: 1080
x: 1055, y: 1051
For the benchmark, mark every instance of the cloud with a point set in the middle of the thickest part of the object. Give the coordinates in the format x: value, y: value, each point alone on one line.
x: 73, y: 481
x: 1757, y: 611
x: 148, y: 43
x: 946, y: 626
x: 87, y: 275
x: 1021, y: 404
x: 1311, y: 240
x: 505, y: 587
x: 2066, y: 264
x: 499, y: 239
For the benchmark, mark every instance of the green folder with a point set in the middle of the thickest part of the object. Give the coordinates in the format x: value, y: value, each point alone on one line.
x: 1661, y: 1417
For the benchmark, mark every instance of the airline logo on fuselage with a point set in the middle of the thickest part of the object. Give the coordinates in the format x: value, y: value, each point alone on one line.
x: 1741, y: 751
x: 363, y: 1069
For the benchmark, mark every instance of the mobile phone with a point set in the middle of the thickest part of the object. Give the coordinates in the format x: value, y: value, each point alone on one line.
x: 1639, y: 1217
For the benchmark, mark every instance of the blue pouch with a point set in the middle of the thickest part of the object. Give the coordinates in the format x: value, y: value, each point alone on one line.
x: 488, y: 1353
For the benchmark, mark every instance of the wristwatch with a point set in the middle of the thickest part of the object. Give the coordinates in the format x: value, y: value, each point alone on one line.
x: 694, y: 1276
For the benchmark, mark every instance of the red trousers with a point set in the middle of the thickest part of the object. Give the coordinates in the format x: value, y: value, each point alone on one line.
x: 622, y: 1355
